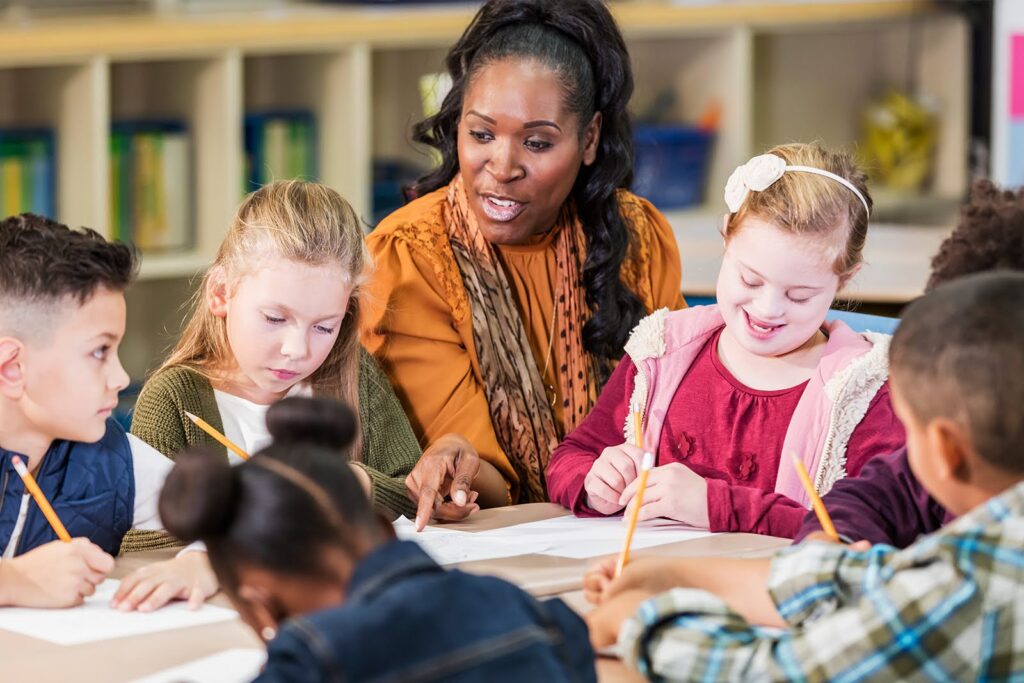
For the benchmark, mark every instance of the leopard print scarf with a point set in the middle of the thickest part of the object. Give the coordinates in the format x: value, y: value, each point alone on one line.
x: 522, y: 418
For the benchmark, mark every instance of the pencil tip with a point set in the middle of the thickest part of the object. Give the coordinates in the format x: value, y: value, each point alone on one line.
x: 191, y: 416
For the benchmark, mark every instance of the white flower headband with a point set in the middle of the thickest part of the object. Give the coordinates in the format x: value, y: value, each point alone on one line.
x: 760, y: 172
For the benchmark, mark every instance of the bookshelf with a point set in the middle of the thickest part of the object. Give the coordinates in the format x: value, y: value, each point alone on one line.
x: 786, y: 71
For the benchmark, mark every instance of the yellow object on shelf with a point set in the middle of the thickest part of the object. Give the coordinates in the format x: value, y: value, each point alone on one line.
x: 899, y: 142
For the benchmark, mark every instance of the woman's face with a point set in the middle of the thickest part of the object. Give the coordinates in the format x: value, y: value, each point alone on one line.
x: 519, y: 149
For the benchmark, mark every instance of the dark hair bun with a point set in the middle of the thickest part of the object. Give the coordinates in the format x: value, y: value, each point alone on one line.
x: 318, y: 421
x: 200, y: 496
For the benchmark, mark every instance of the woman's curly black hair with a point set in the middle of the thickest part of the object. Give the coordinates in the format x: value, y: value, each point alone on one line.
x: 579, y: 41
x: 989, y: 236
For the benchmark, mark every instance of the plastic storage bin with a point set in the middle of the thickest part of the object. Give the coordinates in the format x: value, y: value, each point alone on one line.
x: 670, y: 168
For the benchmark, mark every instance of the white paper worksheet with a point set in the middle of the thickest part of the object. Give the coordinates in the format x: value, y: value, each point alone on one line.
x: 567, y: 536
x: 448, y: 546
x: 238, y: 665
x: 95, y: 620
x: 582, y: 537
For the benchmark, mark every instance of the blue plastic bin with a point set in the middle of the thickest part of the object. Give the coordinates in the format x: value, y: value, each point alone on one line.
x: 670, y: 168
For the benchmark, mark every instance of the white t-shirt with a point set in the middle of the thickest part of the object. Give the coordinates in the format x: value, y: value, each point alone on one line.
x: 150, y: 469
x: 245, y: 422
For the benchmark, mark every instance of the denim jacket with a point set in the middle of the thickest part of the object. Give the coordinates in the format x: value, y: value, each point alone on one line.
x: 407, y: 619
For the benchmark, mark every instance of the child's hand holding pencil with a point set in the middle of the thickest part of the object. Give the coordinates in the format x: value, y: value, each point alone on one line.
x: 54, y: 575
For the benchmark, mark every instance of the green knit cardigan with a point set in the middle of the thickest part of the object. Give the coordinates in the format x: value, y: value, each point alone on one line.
x: 390, y: 448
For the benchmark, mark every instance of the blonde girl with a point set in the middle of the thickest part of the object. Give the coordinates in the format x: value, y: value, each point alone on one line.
x: 277, y: 314
x: 730, y: 392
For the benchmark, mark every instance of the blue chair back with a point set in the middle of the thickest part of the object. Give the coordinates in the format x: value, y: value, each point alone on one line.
x: 863, y: 322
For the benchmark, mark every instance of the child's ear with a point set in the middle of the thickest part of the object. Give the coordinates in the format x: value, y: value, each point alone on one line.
x: 260, y: 606
x: 845, y: 278
x: 12, y: 378
x: 952, y: 448
x: 217, y: 292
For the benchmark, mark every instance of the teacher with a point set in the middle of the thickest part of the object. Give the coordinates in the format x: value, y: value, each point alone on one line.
x: 504, y: 293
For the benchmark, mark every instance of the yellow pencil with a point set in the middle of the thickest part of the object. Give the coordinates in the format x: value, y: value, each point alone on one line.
x: 44, y: 505
x: 224, y: 441
x: 645, y: 469
x: 819, y: 507
x: 638, y: 427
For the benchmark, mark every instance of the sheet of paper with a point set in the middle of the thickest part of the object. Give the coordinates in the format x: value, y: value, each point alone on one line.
x: 239, y: 665
x: 95, y: 620
x: 579, y: 537
x: 448, y: 546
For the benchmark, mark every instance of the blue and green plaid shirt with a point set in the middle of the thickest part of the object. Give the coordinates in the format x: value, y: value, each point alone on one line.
x: 948, y: 608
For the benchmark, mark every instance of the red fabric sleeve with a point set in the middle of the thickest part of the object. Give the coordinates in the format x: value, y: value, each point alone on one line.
x: 752, y: 510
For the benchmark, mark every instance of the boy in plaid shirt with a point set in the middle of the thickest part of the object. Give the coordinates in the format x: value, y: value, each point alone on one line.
x: 950, y: 607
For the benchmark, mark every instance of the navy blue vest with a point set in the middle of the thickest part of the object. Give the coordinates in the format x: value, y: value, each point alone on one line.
x: 91, y: 486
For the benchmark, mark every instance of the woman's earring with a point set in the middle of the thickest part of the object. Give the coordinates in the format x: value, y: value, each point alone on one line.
x: 268, y: 633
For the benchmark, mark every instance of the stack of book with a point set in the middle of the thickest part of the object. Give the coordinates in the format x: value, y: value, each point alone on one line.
x: 279, y: 146
x: 150, y: 202
x: 27, y: 172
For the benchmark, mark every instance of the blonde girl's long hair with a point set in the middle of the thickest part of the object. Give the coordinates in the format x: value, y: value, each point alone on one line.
x: 299, y: 221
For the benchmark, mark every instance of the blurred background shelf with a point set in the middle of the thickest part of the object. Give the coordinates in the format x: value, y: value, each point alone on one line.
x: 896, y: 257
x: 773, y: 71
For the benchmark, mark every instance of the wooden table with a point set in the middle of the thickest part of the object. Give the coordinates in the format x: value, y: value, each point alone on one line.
x: 28, y: 659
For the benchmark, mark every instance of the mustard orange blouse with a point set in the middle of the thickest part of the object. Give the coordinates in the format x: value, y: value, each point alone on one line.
x: 418, y: 325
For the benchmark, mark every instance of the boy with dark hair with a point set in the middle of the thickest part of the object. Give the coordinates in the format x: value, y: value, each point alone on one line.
x: 885, y: 503
x: 946, y: 608
x: 62, y: 317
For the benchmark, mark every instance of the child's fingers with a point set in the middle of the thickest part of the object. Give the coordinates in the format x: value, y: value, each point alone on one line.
x: 93, y: 556
x: 86, y: 588
x: 655, y: 504
x: 626, y: 466
x: 596, y: 486
x: 653, y: 479
x: 594, y: 587
x: 161, y: 594
x: 628, y: 493
x: 195, y: 598
x: 140, y: 591
x: 607, y: 472
x: 126, y: 587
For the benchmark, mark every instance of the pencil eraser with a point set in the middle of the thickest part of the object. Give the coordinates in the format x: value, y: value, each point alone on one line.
x: 647, y: 462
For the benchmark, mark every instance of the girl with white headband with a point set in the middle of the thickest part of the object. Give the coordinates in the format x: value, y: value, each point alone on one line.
x: 730, y: 393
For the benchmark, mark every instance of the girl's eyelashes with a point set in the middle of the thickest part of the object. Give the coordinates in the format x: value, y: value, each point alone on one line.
x: 537, y: 145
x: 275, y: 320
x: 481, y: 135
x: 749, y: 285
x: 101, y: 352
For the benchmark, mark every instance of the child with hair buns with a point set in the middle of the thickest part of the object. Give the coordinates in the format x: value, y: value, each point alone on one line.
x: 320, y: 576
